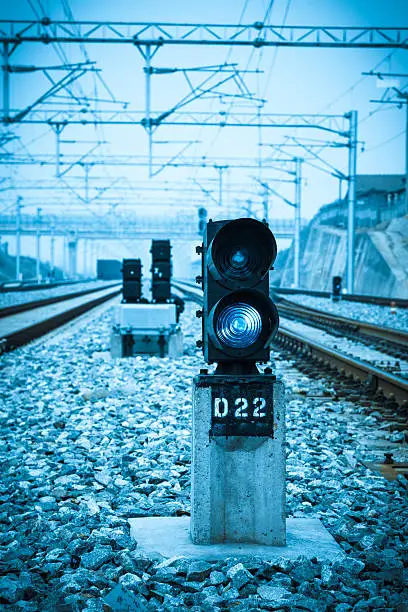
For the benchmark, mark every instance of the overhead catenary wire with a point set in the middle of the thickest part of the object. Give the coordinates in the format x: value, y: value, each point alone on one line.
x: 385, y: 107
x: 361, y: 80
x: 266, y: 8
x: 265, y: 20
x: 99, y: 129
x: 227, y: 58
x: 385, y: 142
x: 64, y: 59
x: 268, y: 79
x: 275, y: 52
x: 358, y: 82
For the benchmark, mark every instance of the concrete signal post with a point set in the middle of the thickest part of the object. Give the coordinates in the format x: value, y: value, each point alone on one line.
x: 238, y: 467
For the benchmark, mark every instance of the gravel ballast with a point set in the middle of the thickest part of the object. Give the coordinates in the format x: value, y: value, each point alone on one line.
x: 353, y: 348
x: 369, y: 313
x: 88, y: 443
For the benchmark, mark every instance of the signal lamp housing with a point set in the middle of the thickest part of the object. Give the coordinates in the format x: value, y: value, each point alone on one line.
x: 239, y: 318
x: 132, y: 281
x: 161, y: 270
x: 336, y: 284
x: 241, y: 253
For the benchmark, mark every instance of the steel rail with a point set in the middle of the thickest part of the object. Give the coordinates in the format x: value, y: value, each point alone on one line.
x: 365, y: 299
x: 369, y: 330
x: 9, y: 311
x: 26, y: 333
x: 378, y: 379
x: 17, y: 286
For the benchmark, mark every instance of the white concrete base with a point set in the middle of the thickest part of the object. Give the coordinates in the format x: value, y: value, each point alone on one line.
x: 159, y: 537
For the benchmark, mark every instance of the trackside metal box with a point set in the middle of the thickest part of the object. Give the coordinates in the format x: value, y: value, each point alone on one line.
x: 168, y: 343
x: 145, y: 317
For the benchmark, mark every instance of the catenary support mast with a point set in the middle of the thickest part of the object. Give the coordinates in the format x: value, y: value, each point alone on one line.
x: 351, y: 201
x: 298, y: 198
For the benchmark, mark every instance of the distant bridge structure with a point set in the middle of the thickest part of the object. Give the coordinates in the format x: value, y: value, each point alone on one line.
x: 110, y: 227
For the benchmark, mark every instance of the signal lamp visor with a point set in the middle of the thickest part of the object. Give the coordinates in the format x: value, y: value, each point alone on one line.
x: 241, y: 253
x: 242, y: 322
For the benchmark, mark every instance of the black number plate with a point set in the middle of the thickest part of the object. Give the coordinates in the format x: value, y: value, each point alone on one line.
x: 242, y: 409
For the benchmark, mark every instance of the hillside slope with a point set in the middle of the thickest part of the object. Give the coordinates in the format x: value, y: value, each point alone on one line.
x: 381, y: 258
x: 27, y: 266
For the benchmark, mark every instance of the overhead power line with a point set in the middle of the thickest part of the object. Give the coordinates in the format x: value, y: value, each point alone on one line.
x: 358, y: 82
x: 385, y: 142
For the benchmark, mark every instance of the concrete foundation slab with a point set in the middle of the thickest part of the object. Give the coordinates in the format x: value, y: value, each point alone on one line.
x: 159, y: 537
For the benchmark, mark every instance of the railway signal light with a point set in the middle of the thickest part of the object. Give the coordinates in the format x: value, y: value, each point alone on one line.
x: 202, y: 220
x: 161, y: 270
x: 336, y: 293
x: 132, y: 281
x: 239, y: 317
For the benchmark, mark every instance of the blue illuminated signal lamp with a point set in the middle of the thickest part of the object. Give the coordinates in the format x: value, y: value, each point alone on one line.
x: 238, y: 325
x: 239, y: 317
x: 243, y: 322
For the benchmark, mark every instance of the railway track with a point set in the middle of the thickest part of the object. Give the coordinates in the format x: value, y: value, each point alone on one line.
x: 17, y: 286
x: 22, y: 323
x: 8, y: 311
x: 376, y: 381
x: 394, y: 342
x: 363, y: 299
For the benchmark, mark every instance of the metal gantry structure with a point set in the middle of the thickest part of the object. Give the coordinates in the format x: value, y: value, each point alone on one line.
x: 133, y: 227
x: 220, y: 165
x: 156, y: 35
x: 296, y: 172
x: 334, y: 124
x: 149, y: 38
x: 400, y: 98
x: 74, y: 228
